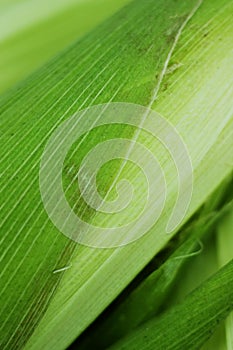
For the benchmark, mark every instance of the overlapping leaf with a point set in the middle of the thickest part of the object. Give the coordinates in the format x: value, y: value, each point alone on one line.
x: 125, y: 59
x: 190, y: 324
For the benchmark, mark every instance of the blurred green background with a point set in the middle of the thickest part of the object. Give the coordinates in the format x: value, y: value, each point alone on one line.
x: 32, y: 31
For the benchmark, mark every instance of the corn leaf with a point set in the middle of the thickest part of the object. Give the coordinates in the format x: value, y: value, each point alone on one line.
x: 191, y: 323
x: 225, y: 250
x: 129, y: 58
x: 145, y: 301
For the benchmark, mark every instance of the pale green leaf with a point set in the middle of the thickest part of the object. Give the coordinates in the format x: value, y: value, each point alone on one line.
x: 31, y: 32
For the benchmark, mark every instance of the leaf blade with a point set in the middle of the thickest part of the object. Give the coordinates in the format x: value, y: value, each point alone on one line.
x: 191, y: 323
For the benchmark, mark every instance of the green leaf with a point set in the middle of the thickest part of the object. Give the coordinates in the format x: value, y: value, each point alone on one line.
x: 125, y: 59
x: 225, y: 252
x: 40, y: 29
x: 145, y: 300
x: 190, y: 324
